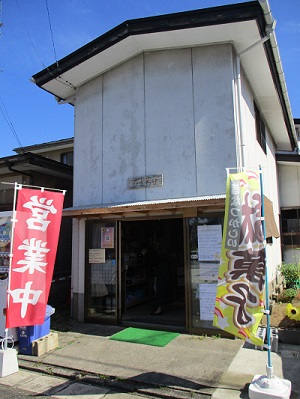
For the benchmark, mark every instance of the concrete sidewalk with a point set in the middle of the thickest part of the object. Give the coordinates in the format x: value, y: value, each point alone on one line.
x: 189, y: 365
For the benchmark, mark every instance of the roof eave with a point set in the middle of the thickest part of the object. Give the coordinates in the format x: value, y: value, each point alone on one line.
x: 161, y: 23
x: 288, y: 158
x: 37, y: 160
x: 48, y: 78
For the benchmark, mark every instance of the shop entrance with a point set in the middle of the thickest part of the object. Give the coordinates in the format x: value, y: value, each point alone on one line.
x: 152, y: 273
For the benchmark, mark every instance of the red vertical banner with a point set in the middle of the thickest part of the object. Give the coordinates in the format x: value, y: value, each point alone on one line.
x: 35, y: 240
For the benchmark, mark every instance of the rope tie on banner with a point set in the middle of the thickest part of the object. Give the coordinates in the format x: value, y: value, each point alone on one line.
x: 7, y: 340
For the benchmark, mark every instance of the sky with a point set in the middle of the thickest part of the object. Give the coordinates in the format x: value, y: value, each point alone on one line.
x: 37, y: 33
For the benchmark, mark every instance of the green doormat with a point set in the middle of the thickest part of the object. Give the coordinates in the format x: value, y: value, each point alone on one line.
x: 146, y: 337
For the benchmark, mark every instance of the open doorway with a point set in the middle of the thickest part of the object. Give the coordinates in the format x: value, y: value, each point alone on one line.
x: 153, y: 285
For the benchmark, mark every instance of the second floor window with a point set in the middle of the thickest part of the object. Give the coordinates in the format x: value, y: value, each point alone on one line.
x: 290, y: 224
x: 260, y: 129
x: 67, y: 158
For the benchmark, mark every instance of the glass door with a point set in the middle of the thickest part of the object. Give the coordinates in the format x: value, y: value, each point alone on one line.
x: 101, y: 272
x: 205, y: 239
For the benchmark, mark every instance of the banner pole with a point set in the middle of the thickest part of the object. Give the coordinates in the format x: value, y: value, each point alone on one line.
x: 36, y: 187
x: 267, y: 310
x: 17, y: 187
x: 267, y: 386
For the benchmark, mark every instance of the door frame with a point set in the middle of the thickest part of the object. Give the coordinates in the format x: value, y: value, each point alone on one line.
x: 88, y: 317
x: 184, y: 227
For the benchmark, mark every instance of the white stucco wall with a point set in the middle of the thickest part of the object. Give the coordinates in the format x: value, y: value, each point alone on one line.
x: 255, y: 157
x: 214, y: 117
x: 88, y: 144
x: 289, y: 182
x: 167, y: 112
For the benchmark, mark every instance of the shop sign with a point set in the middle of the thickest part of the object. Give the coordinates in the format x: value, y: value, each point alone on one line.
x: 35, y: 239
x: 145, y: 182
x: 239, y: 298
x: 107, y: 237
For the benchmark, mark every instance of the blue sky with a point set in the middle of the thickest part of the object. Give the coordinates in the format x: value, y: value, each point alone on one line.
x: 31, y: 116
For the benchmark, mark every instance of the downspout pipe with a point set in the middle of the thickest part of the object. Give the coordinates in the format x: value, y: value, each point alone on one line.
x: 269, y: 21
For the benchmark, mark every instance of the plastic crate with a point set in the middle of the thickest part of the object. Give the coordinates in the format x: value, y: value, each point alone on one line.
x: 27, y: 334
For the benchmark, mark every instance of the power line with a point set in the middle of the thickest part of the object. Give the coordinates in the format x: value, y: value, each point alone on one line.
x: 50, y: 26
x: 3, y: 109
x: 8, y: 121
x: 29, y: 37
x: 59, y: 79
x: 2, y: 106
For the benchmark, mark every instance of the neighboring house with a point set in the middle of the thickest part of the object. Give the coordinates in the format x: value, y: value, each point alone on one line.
x: 163, y: 106
x: 47, y: 165
x: 289, y: 189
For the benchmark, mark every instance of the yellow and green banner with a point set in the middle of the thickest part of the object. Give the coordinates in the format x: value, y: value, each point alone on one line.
x: 241, y: 278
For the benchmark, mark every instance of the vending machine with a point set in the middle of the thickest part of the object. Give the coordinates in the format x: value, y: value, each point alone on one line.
x: 5, y: 241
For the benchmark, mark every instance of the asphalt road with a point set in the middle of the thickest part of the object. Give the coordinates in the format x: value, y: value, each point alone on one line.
x: 14, y: 393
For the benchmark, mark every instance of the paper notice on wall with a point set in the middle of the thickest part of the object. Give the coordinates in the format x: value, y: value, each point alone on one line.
x: 97, y: 255
x: 209, y: 242
x: 209, y: 271
x: 207, y: 297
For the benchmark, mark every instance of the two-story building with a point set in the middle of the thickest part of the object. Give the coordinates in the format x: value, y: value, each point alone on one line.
x: 164, y: 106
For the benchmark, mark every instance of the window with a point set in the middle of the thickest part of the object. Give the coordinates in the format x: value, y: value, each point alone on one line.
x: 67, y: 158
x: 298, y: 132
x: 260, y: 129
x: 290, y: 224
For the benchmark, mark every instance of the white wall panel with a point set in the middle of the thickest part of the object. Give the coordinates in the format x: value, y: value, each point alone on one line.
x: 255, y: 157
x: 167, y: 112
x: 289, y: 183
x: 88, y: 144
x: 214, y: 117
x: 123, y: 130
x: 169, y: 123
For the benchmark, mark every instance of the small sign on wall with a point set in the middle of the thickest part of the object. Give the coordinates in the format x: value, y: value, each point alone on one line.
x: 107, y: 237
x: 97, y: 255
x: 145, y: 182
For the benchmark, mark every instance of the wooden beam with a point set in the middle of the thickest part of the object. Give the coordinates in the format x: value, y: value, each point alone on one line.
x: 164, y: 207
